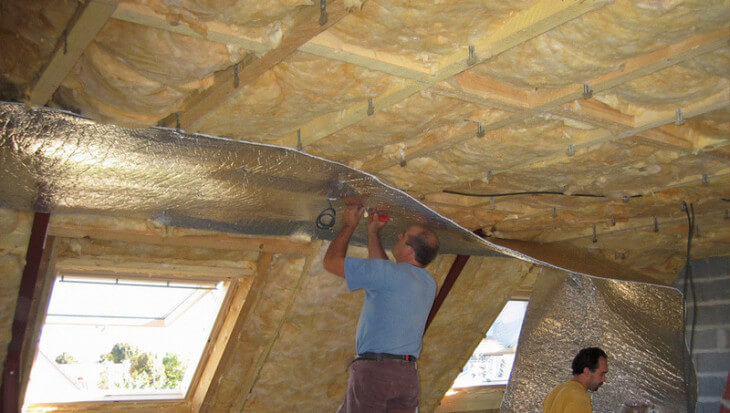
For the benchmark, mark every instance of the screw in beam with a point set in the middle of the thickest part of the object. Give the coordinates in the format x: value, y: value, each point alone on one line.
x: 299, y: 140
x: 595, y: 238
x: 705, y: 179
x: 555, y: 213
x: 587, y: 91
x: 322, y: 12
x: 480, y: 130
x: 680, y: 118
x: 177, y: 121
x: 472, y: 59
x: 656, y: 225
x: 371, y: 107
x: 571, y: 150
x: 235, y: 76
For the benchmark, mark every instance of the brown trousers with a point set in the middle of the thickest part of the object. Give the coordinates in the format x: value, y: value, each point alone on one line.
x: 381, y: 386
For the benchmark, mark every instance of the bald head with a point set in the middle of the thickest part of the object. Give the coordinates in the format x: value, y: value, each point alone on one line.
x: 424, y: 242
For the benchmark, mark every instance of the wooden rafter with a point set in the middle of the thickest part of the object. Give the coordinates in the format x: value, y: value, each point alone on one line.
x: 89, y: 18
x: 305, y: 27
x: 240, y: 398
x: 325, y: 44
x: 633, y: 224
x: 604, y: 227
x: 540, y: 17
x: 545, y: 101
x: 155, y: 238
x: 242, y: 307
x: 564, y: 255
x: 647, y: 121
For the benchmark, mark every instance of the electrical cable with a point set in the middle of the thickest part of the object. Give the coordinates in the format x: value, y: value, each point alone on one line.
x: 448, y: 191
x: 326, y: 218
x: 689, y: 280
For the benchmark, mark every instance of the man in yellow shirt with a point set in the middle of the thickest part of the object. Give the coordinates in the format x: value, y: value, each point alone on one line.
x: 590, y: 366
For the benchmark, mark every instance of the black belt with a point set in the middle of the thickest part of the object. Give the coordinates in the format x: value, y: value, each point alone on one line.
x: 384, y: 356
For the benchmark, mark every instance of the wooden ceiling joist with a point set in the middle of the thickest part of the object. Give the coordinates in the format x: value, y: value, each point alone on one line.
x: 647, y: 121
x: 325, y: 44
x: 213, y: 31
x: 155, y: 238
x: 243, y: 304
x: 634, y: 224
x: 305, y: 27
x: 545, y: 101
x: 540, y: 17
x: 89, y: 18
x: 248, y: 384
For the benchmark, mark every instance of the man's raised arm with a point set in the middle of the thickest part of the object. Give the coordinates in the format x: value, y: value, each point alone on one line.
x: 375, y: 247
x: 334, y: 258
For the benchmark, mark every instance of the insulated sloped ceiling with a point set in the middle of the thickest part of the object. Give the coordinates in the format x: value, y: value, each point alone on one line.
x: 624, y: 100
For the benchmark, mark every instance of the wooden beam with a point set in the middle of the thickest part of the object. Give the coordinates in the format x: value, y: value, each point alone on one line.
x: 646, y: 121
x: 545, y: 101
x: 211, y: 31
x: 10, y: 390
x: 243, y: 300
x: 540, y: 17
x: 571, y: 258
x: 239, y: 401
x: 596, y: 113
x: 633, y: 224
x: 159, y: 270
x: 150, y: 237
x: 330, y: 47
x: 324, y: 45
x: 305, y: 27
x: 639, y: 66
x: 488, y: 87
x: 238, y: 315
x: 37, y: 314
x: 89, y: 18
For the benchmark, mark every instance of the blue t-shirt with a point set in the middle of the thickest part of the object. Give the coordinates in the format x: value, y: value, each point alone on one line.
x: 398, y: 298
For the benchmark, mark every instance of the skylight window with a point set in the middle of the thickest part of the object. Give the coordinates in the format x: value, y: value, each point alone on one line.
x: 122, y: 339
x: 491, y: 363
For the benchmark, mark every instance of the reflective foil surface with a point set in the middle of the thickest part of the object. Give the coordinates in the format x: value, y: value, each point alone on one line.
x: 53, y: 161
x: 639, y: 326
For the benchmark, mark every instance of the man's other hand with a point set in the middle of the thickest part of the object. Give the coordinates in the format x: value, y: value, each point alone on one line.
x: 375, y: 224
x: 352, y: 215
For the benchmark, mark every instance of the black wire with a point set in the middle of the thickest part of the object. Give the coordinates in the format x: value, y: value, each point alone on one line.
x: 448, y: 191
x: 326, y: 218
x: 688, y: 279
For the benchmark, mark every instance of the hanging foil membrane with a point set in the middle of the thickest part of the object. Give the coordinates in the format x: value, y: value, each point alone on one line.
x: 639, y: 326
x: 54, y: 161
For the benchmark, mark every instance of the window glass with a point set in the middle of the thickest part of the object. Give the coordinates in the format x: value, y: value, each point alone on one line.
x: 116, y: 339
x: 491, y: 362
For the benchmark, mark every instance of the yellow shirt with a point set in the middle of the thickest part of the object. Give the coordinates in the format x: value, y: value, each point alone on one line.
x: 569, y: 397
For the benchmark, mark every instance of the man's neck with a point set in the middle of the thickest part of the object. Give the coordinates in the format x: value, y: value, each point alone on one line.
x: 581, y: 382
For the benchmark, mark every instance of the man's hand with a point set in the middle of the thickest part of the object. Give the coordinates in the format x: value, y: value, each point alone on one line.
x: 375, y: 224
x: 352, y: 215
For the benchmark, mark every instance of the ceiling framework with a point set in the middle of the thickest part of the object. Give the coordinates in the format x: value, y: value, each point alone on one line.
x: 566, y: 130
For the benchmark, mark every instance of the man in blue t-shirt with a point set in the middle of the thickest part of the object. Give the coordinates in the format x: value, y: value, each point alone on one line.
x: 398, y: 299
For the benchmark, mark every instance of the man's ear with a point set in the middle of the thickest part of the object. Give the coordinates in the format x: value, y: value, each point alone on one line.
x: 586, y: 370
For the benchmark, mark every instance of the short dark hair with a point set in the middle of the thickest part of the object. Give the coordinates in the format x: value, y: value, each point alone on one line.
x: 588, y: 357
x: 425, y: 244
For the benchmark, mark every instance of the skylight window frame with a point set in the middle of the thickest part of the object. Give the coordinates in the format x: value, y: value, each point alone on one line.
x: 238, y: 283
x: 485, y: 395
